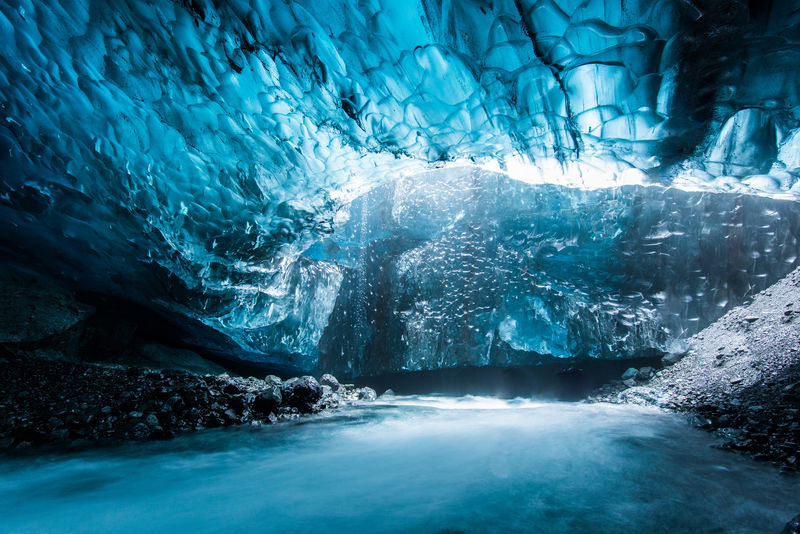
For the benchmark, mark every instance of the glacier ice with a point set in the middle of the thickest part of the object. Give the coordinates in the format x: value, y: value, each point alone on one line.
x: 467, y: 267
x: 204, y: 152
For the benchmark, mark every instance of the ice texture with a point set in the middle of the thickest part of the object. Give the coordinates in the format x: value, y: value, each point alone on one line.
x: 186, y: 152
x: 467, y: 267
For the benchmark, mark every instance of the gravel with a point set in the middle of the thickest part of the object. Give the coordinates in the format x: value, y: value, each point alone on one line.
x: 739, y: 379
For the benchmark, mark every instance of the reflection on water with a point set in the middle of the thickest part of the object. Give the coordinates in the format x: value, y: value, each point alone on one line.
x: 412, y: 464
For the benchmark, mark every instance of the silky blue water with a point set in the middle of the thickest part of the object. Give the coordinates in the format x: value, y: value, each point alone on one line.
x: 411, y: 465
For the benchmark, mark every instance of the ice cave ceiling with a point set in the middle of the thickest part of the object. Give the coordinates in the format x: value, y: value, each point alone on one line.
x: 383, y: 185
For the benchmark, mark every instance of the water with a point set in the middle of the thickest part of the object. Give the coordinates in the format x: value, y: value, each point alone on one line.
x: 413, y: 465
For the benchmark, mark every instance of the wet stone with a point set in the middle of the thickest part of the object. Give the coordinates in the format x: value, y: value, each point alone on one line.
x: 77, y: 403
x: 629, y: 373
x: 330, y: 381
x: 367, y: 394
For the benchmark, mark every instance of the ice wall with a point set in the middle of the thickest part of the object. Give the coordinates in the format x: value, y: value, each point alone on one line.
x: 192, y: 149
x: 466, y: 267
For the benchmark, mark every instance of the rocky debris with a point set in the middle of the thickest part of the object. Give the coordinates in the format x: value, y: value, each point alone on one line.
x: 793, y: 526
x: 630, y: 378
x: 739, y: 378
x: 45, y: 401
x: 301, y: 393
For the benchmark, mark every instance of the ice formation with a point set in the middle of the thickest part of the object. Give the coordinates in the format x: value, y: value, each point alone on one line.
x: 467, y: 267
x: 189, y: 152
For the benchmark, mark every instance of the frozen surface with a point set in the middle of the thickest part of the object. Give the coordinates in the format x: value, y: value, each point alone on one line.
x: 466, y: 267
x: 192, y: 150
x: 428, y: 465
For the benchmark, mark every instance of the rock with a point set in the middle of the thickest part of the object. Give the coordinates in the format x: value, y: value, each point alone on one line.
x: 174, y: 404
x: 629, y: 373
x: 629, y: 382
x: 273, y: 380
x: 330, y: 398
x: 301, y: 393
x: 672, y: 358
x: 367, y: 394
x: 698, y: 421
x: 727, y: 434
x: 60, y: 401
x: 139, y: 431
x: 231, y: 389
x: 268, y: 400
x: 239, y: 403
x: 644, y: 374
x: 388, y: 394
x: 639, y: 395
x: 55, y: 422
x: 793, y: 526
x: 230, y: 416
x: 330, y: 381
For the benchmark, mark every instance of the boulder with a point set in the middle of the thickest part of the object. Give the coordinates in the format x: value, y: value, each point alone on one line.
x: 139, y: 431
x: 273, y: 380
x: 672, y: 358
x: 238, y: 403
x: 330, y: 381
x: 174, y: 404
x: 231, y: 389
x: 301, y: 393
x: 367, y: 394
x: 268, y: 400
x: 629, y: 373
x: 644, y: 374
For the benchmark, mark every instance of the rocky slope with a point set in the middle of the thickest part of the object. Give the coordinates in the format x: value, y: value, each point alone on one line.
x: 740, y: 377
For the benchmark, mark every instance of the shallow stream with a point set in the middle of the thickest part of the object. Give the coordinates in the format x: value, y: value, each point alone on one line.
x: 410, y: 465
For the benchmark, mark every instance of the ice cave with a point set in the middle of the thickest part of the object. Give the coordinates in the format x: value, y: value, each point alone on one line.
x: 400, y: 266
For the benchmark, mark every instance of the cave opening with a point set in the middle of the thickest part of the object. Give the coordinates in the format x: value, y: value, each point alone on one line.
x: 447, y: 266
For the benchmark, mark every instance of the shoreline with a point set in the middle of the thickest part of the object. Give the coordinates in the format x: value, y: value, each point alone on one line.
x: 76, y: 404
x: 739, y: 378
